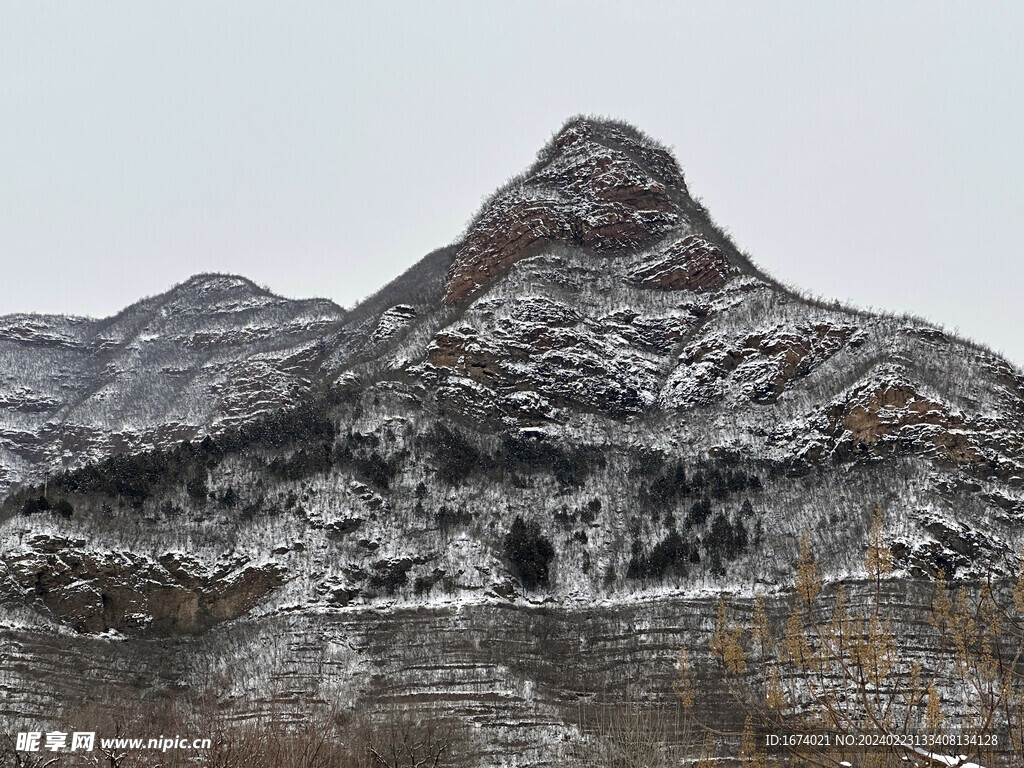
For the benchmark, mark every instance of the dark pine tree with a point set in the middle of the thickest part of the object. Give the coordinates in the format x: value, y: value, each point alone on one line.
x: 529, y: 552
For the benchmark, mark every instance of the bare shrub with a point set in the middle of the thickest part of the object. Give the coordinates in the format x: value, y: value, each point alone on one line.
x: 634, y: 736
x: 404, y: 739
x: 11, y: 758
x: 394, y: 737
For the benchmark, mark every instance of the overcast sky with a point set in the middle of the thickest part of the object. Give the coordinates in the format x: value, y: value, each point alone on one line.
x: 861, y: 151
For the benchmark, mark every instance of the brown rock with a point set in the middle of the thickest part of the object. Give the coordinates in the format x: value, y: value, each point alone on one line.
x: 692, y: 264
x: 880, y: 418
x: 595, y: 191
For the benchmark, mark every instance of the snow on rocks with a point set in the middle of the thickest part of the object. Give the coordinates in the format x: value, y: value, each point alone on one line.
x: 690, y: 264
x: 590, y: 190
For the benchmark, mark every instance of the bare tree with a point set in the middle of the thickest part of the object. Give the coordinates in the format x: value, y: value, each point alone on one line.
x: 631, y: 735
x: 404, y: 738
x: 13, y: 758
x: 834, y: 669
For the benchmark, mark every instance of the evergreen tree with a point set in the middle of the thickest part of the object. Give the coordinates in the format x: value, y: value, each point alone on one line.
x: 529, y: 552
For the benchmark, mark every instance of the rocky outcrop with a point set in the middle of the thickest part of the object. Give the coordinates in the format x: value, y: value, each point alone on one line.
x: 757, y: 363
x: 692, y: 264
x: 595, y: 187
x: 94, y: 592
x: 888, y: 415
x: 526, y: 360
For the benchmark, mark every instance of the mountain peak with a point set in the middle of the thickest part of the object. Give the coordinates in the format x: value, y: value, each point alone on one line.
x: 655, y: 158
x: 600, y: 185
x: 215, y: 292
x: 217, y: 282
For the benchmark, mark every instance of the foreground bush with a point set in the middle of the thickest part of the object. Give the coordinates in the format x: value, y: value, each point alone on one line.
x: 393, y: 738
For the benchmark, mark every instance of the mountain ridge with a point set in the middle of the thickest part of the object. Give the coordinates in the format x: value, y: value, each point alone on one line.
x: 594, y: 368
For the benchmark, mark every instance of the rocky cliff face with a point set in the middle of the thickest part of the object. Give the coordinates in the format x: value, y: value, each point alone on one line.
x: 96, y: 592
x: 596, y: 186
x: 592, y: 356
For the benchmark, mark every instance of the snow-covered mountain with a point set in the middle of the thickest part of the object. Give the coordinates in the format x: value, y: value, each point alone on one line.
x: 212, y: 351
x: 592, y: 393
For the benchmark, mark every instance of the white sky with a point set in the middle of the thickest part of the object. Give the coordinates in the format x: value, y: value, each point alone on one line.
x: 865, y: 151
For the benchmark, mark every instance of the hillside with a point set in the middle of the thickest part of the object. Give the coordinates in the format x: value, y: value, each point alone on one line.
x: 571, y: 429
